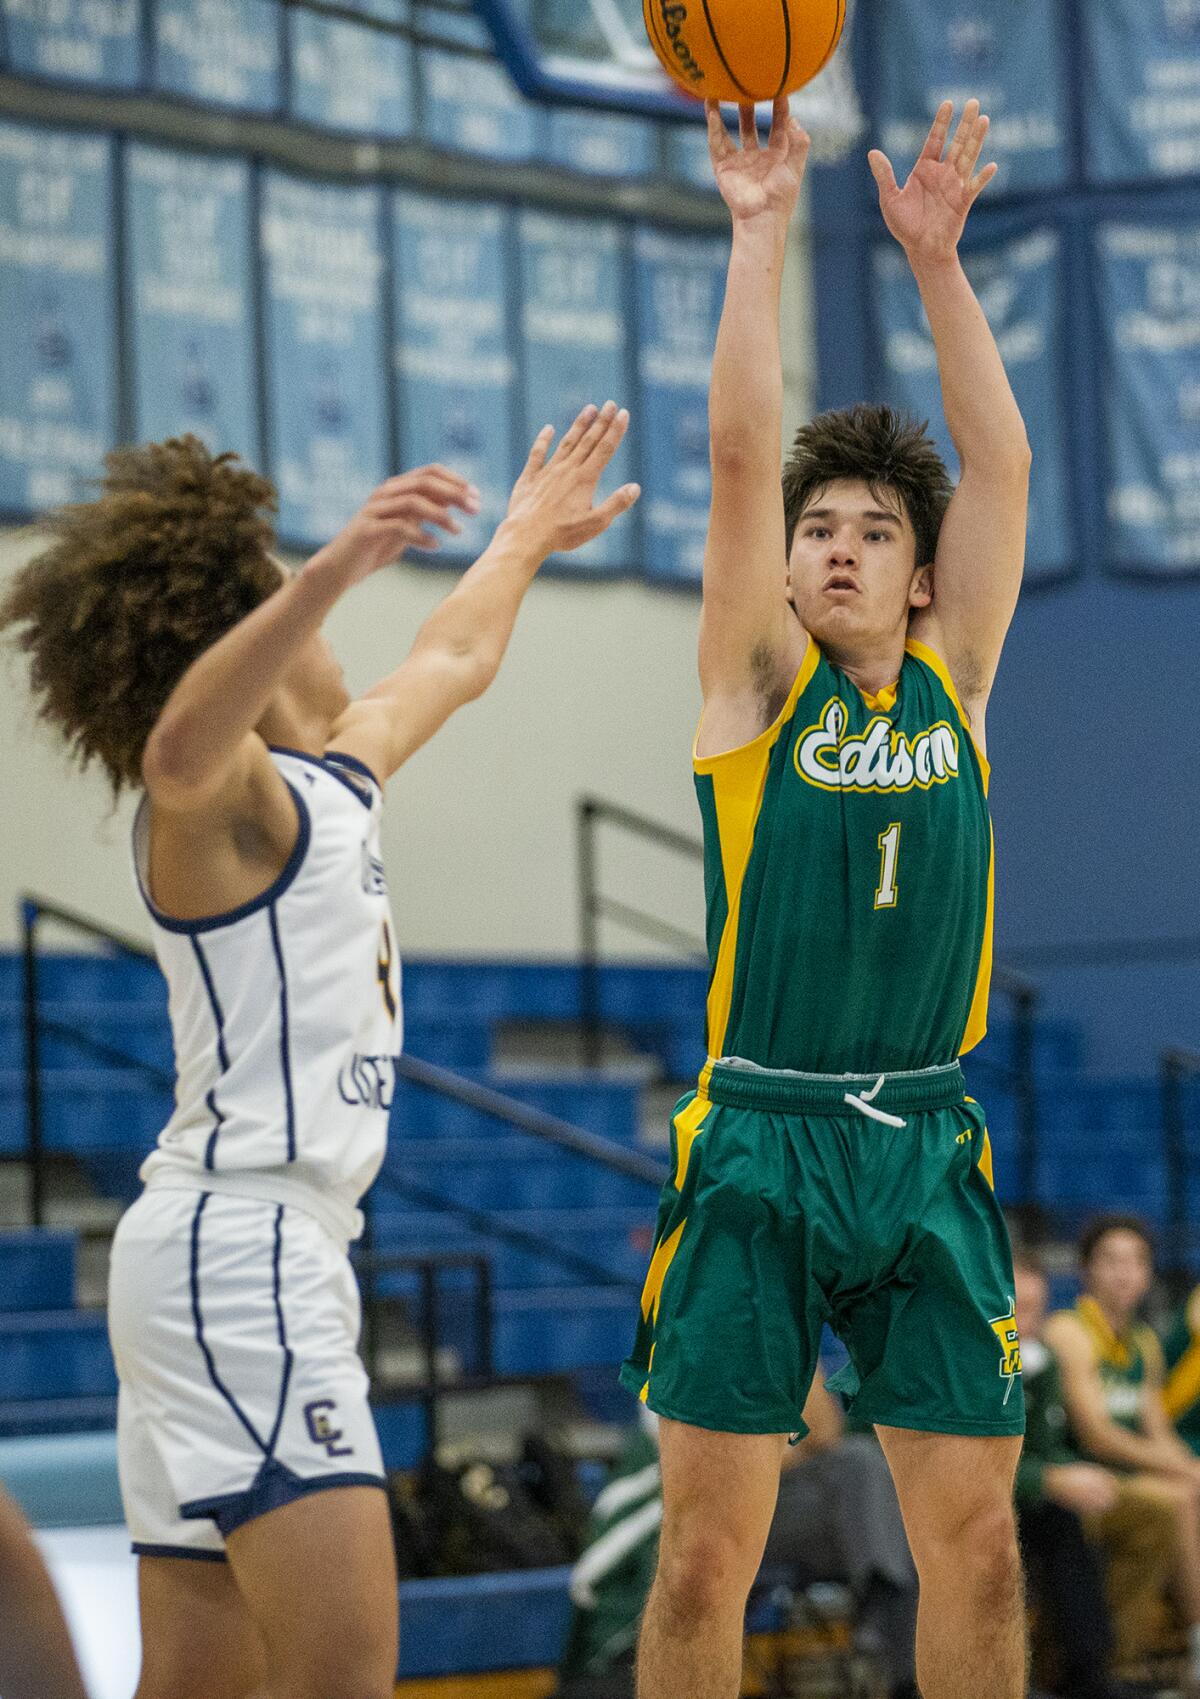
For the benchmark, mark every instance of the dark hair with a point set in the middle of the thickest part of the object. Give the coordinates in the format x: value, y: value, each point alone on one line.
x: 1100, y: 1226
x: 887, y: 451
x: 133, y: 586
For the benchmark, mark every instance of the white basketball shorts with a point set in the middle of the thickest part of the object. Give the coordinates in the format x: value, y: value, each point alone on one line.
x: 234, y: 1324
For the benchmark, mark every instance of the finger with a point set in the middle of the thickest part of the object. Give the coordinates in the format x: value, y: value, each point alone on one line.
x: 984, y: 178
x: 884, y: 175
x: 540, y: 449
x: 418, y: 508
x: 781, y: 125
x: 936, y: 141
x: 579, y: 429
x: 442, y: 474
x: 605, y: 424
x: 963, y: 135
x: 748, y: 129
x: 799, y: 141
x: 434, y: 482
x: 425, y: 540
x: 604, y: 449
x: 719, y: 145
x: 618, y: 503
x: 974, y: 147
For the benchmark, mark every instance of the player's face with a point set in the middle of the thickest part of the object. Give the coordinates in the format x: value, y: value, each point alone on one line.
x: 1120, y: 1272
x: 853, y: 575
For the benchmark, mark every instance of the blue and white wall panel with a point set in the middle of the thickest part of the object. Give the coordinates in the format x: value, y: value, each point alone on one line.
x: 679, y: 283
x: 1019, y: 283
x: 190, y: 293
x: 575, y: 335
x: 454, y: 365
x: 1149, y: 282
x: 58, y: 353
x: 327, y: 406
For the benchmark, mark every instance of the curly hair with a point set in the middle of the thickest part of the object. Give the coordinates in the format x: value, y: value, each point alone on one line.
x: 133, y: 586
x: 883, y: 448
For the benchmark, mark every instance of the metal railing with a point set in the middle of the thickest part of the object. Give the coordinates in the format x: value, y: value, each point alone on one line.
x: 1019, y: 1073
x: 1177, y: 1068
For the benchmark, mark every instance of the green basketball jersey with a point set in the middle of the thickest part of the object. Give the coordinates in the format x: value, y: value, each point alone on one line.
x: 1122, y: 1361
x: 848, y: 867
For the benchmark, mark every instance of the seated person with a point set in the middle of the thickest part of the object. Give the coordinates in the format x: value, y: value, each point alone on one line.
x: 1078, y: 1528
x: 837, y: 1519
x: 1181, y: 1395
x: 1112, y: 1376
x: 37, y: 1660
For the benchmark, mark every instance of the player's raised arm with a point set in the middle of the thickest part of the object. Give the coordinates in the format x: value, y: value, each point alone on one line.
x: 203, y: 745
x: 748, y: 636
x: 981, y: 551
x: 458, y: 650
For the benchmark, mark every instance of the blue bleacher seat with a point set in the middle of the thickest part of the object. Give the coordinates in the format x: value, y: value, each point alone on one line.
x: 37, y: 1269
x: 55, y: 1355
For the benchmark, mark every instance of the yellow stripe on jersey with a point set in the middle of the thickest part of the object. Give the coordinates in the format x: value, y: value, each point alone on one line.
x: 688, y: 1123
x: 1182, y: 1390
x: 938, y: 667
x: 977, y: 1020
x: 739, y: 778
x: 660, y: 1262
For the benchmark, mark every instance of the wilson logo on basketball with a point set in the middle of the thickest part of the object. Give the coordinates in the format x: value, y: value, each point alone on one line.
x: 674, y: 17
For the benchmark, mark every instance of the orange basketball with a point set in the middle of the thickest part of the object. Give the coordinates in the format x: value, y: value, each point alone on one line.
x: 743, y: 50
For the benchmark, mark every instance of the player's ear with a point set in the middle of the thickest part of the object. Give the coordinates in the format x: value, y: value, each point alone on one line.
x: 921, y: 590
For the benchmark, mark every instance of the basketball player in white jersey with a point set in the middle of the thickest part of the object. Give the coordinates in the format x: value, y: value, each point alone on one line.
x: 167, y: 644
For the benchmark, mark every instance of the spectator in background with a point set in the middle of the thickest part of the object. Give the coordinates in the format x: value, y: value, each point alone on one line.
x: 1181, y: 1395
x: 1080, y: 1528
x: 1112, y: 1375
x: 837, y: 1519
x: 36, y: 1659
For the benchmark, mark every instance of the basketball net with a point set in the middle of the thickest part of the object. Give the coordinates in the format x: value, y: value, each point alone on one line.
x: 829, y: 107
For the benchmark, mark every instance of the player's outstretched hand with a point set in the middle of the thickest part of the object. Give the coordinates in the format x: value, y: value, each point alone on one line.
x: 754, y: 180
x: 553, y: 506
x: 399, y: 516
x: 928, y: 214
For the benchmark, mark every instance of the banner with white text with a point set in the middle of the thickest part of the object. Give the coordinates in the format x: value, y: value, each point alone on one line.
x: 57, y: 314
x: 191, y: 298
x: 1149, y: 282
x: 327, y: 405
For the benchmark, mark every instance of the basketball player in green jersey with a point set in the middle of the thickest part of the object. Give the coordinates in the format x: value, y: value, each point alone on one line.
x: 829, y: 1167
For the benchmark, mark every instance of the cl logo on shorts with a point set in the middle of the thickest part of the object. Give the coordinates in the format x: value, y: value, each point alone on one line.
x: 322, y: 1431
x: 1005, y: 1329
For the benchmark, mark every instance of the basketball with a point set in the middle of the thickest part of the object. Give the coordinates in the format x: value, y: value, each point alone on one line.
x: 743, y: 50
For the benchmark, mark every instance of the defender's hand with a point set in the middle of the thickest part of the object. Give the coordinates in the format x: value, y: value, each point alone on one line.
x: 928, y: 215
x: 551, y: 510
x: 754, y: 180
x: 397, y: 517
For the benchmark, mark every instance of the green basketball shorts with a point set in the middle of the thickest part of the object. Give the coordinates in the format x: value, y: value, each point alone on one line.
x: 797, y: 1200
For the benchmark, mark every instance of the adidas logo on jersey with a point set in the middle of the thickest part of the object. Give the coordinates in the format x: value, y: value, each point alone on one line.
x: 882, y: 759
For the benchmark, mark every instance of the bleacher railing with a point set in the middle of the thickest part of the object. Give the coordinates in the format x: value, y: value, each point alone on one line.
x: 1019, y: 1074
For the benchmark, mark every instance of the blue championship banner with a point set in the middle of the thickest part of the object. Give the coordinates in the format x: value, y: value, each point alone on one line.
x: 57, y: 314
x: 602, y: 144
x: 190, y: 289
x: 326, y: 389
x: 472, y: 105
x: 454, y: 364
x: 574, y: 334
x: 1149, y: 282
x: 221, y: 52
x: 348, y: 76
x: 680, y: 285
x: 1143, y: 108
x: 686, y: 148
x: 75, y: 40
x: 1005, y: 52
x: 1019, y: 284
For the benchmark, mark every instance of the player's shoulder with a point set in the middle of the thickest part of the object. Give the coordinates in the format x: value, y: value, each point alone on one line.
x: 1068, y: 1337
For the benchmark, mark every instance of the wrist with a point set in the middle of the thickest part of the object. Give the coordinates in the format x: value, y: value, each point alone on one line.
x: 933, y: 266
x: 767, y: 229
x: 522, y: 541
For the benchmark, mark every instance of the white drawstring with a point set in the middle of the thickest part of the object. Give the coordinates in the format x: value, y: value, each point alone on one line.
x: 865, y: 1104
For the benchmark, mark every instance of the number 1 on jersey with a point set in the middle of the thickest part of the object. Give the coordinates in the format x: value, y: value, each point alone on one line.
x: 889, y: 848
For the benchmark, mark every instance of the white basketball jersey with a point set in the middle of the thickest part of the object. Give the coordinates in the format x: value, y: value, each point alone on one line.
x: 286, y: 1013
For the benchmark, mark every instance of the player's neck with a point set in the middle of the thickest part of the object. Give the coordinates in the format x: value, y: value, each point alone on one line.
x: 1120, y: 1321
x: 874, y: 670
